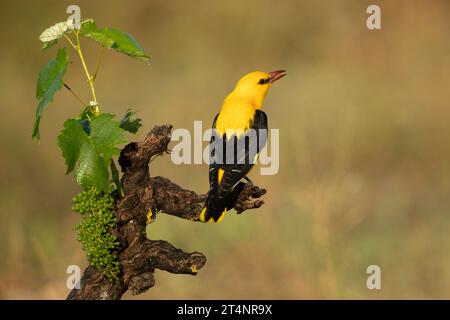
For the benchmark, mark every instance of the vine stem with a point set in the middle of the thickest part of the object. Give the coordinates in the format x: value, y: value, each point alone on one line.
x: 70, y: 41
x: 86, y: 71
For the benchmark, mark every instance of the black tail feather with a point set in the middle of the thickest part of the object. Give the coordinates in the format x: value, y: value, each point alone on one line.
x: 215, y: 208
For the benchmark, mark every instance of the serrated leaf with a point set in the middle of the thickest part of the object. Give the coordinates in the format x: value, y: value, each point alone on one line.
x: 130, y: 123
x: 125, y: 43
x: 70, y: 142
x: 92, y: 169
x: 93, y: 151
x: 87, y: 26
x: 54, y: 32
x: 50, y: 80
x: 106, y: 134
x: 113, y: 39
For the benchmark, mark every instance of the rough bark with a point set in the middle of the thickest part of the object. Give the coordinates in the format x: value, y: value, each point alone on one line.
x: 144, y: 198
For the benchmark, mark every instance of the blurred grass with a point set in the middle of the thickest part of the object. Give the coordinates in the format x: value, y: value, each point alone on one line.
x: 365, y: 144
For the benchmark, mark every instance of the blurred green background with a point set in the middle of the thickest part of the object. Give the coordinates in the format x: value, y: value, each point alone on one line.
x: 364, y: 138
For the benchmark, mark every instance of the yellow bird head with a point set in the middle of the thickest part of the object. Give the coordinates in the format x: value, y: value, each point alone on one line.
x: 253, y: 86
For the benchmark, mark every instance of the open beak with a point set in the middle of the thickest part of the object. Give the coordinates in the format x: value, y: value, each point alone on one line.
x: 276, y: 75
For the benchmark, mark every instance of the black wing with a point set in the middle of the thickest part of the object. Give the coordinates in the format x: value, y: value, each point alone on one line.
x: 236, y: 164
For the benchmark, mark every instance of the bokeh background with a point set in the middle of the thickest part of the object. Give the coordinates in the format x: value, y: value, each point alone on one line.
x: 364, y: 138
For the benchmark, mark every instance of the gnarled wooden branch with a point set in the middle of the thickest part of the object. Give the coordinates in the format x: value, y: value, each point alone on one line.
x: 144, y: 198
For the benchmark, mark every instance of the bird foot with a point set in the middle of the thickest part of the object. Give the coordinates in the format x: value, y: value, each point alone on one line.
x: 249, y: 198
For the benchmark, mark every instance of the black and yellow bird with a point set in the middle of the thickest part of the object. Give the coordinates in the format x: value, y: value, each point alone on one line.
x: 239, y: 121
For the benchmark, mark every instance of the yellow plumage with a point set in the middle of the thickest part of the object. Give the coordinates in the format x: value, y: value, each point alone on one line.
x: 220, y: 175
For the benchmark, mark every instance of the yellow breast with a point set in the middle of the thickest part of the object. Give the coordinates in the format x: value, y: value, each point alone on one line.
x: 235, y: 117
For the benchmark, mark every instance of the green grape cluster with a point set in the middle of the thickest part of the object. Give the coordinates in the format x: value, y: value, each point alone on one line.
x: 97, y: 211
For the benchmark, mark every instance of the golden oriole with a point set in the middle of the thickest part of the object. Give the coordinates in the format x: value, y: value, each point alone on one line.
x: 241, y: 125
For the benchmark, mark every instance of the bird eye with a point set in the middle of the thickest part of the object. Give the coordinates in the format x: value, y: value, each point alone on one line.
x: 262, y: 81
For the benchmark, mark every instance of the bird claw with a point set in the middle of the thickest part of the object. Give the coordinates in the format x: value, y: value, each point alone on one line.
x: 248, y: 198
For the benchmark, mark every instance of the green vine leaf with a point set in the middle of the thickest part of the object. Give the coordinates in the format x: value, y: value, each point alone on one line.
x: 106, y: 134
x: 130, y: 123
x: 113, y: 39
x: 50, y: 80
x: 93, y: 151
x: 92, y: 169
x: 70, y: 142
